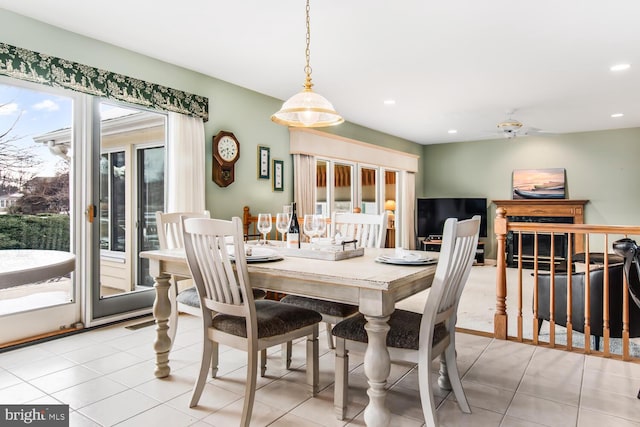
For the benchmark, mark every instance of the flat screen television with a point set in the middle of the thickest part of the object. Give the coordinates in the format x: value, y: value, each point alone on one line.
x: 433, y: 212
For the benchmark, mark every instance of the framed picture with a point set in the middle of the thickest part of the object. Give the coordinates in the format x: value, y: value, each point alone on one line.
x: 264, y: 162
x: 278, y: 175
x: 539, y: 183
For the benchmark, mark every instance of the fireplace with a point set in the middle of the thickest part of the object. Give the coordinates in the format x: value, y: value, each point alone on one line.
x: 560, y: 244
x: 563, y: 211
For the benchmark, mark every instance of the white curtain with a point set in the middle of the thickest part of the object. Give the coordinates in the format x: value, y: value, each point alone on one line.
x: 185, y: 164
x: 304, y: 168
x: 408, y: 193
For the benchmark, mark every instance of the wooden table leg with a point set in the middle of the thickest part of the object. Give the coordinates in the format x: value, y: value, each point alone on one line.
x: 377, y: 366
x: 161, y: 312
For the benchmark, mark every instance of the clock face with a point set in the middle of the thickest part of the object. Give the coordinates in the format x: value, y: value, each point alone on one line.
x: 227, y: 148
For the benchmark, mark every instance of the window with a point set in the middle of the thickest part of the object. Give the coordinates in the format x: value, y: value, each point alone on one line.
x: 343, y: 191
x: 369, y: 190
x: 345, y: 194
x: 151, y: 189
x: 112, y: 201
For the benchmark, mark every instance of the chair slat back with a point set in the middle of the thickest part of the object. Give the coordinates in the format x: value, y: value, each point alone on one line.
x: 368, y: 229
x: 170, y: 227
x: 459, y: 244
x: 221, y: 288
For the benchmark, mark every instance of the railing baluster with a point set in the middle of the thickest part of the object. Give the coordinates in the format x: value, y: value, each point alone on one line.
x: 625, y: 318
x: 535, y: 284
x: 587, y: 296
x: 520, y: 321
x: 552, y: 294
x: 606, y: 328
x: 570, y: 291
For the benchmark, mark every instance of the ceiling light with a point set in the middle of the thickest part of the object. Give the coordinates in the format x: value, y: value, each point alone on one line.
x: 452, y: 131
x: 389, y: 102
x: 307, y: 108
x: 617, y: 115
x: 620, y: 67
x: 510, y: 125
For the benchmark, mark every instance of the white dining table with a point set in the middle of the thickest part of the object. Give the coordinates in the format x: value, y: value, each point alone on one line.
x: 374, y: 287
x: 22, y: 266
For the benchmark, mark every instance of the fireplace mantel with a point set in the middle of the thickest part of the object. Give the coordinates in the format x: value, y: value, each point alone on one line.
x: 547, y: 208
x: 544, y: 207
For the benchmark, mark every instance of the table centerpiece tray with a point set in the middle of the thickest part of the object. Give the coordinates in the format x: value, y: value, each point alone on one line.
x: 328, y: 252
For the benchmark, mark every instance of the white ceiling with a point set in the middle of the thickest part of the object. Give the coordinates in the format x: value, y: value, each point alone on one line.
x: 448, y: 64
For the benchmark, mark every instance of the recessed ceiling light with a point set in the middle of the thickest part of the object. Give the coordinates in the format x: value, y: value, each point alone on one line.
x: 617, y: 115
x: 389, y: 102
x: 620, y: 67
x: 452, y: 131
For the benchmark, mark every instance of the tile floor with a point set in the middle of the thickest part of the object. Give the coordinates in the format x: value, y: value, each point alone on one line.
x: 106, y: 377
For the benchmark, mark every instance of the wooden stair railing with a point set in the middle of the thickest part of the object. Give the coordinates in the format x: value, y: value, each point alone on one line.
x: 597, y: 238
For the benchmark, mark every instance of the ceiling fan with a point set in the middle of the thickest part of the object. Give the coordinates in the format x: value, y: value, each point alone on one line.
x: 511, y: 128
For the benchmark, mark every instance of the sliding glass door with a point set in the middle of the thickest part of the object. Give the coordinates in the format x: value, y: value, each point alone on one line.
x: 40, y: 214
x: 80, y: 180
x: 130, y: 189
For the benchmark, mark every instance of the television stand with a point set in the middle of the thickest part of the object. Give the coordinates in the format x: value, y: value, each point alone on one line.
x: 434, y: 246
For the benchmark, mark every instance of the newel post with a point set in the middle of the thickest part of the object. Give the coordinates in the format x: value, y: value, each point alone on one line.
x: 500, y: 316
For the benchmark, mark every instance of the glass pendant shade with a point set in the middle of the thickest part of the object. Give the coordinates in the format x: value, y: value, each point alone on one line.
x: 307, y: 109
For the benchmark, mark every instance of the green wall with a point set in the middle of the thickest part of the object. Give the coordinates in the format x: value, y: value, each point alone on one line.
x: 231, y: 108
x: 601, y: 167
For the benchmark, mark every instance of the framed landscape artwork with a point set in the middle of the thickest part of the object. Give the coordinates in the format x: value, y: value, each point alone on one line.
x: 539, y: 183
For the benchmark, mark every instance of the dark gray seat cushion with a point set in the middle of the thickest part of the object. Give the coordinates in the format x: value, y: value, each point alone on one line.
x: 404, y: 332
x: 274, y: 318
x: 190, y: 296
x: 321, y: 306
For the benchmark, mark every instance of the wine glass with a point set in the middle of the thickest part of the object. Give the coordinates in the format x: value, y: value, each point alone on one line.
x: 322, y: 226
x: 282, y: 222
x: 264, y: 225
x: 310, y: 226
x: 288, y: 209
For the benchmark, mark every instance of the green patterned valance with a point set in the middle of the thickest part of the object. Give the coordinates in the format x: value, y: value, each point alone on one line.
x: 36, y: 67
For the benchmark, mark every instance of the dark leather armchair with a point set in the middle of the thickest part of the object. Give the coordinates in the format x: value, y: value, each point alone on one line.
x: 596, y: 283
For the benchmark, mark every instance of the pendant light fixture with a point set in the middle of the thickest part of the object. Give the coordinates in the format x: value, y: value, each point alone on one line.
x: 307, y: 108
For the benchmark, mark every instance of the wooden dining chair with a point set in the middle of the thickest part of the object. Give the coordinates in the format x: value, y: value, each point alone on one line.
x: 369, y: 231
x: 184, y: 298
x: 420, y: 338
x: 230, y: 314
